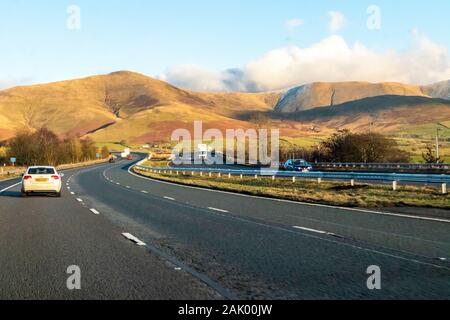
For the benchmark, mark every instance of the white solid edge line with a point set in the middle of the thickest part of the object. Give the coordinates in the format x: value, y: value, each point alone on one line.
x: 132, y: 238
x: 169, y: 198
x: 219, y: 210
x: 143, y: 191
x: 79, y: 200
x: 94, y: 211
x: 10, y: 187
x: 399, y: 215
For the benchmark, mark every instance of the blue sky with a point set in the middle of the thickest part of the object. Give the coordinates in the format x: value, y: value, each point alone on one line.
x: 152, y: 37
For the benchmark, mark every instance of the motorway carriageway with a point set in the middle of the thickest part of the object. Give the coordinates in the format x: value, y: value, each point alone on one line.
x: 136, y: 238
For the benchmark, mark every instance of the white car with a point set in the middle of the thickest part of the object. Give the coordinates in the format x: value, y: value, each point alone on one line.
x: 41, y: 179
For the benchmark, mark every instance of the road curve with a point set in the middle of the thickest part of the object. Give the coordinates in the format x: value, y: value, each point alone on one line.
x: 207, y: 244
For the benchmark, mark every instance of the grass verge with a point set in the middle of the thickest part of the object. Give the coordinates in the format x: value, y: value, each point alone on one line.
x: 338, y: 193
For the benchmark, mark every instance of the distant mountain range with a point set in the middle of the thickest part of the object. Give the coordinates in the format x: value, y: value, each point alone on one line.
x: 130, y: 106
x: 438, y: 90
x: 331, y: 94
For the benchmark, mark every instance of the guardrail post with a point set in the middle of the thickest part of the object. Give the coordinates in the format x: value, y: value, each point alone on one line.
x: 229, y: 176
x: 352, y: 182
x: 394, y: 185
x: 319, y: 180
x: 242, y: 176
x: 444, y: 188
x: 293, y: 179
x: 256, y: 176
x: 201, y: 174
x: 273, y: 178
x: 219, y: 175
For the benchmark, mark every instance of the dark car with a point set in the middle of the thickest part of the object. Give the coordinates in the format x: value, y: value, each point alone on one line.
x: 298, y: 165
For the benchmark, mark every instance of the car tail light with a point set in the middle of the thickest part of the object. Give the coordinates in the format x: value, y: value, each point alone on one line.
x: 27, y: 177
x: 55, y: 177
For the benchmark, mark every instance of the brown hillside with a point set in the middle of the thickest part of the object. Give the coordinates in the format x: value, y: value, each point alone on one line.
x: 383, y: 113
x: 132, y: 107
x: 101, y: 103
x: 331, y: 94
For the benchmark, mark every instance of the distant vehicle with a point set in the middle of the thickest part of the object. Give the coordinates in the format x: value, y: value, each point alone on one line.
x: 129, y: 157
x: 298, y: 165
x: 112, y: 160
x: 41, y: 179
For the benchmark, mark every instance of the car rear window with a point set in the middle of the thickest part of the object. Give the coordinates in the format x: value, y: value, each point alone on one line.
x: 41, y: 171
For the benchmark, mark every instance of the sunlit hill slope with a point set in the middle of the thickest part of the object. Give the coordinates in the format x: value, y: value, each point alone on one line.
x: 133, y: 107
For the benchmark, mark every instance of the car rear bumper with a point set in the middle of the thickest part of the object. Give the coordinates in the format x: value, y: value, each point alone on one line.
x: 41, y: 188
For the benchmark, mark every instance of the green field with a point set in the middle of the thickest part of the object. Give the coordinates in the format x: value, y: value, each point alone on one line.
x: 117, y: 147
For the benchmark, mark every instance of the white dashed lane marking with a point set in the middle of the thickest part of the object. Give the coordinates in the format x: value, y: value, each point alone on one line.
x: 316, y: 231
x: 310, y: 230
x: 219, y: 210
x: 134, y: 239
x: 94, y: 211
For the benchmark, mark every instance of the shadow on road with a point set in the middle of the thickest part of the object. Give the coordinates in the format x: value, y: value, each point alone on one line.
x: 11, y: 194
x: 17, y: 194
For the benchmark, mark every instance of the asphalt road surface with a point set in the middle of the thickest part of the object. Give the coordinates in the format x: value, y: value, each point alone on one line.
x: 203, y: 244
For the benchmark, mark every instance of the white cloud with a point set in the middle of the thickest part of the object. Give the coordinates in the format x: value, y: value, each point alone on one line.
x: 200, y: 79
x: 331, y: 59
x: 293, y: 23
x: 337, y: 21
